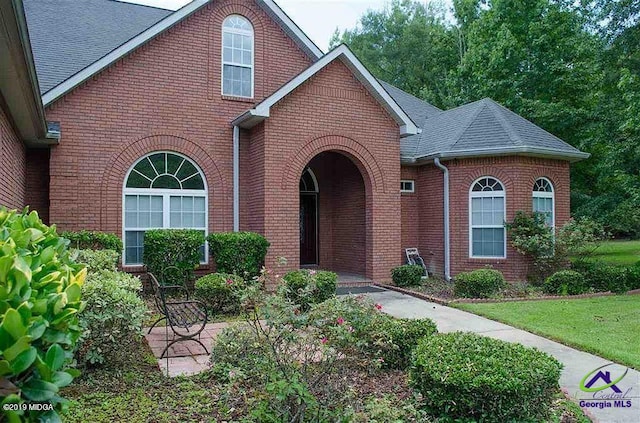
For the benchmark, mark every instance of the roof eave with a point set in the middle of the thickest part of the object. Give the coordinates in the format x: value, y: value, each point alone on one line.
x: 571, y: 156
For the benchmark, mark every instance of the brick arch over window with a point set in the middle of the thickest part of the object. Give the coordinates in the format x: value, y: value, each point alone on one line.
x: 222, y: 11
x: 490, y: 172
x: 119, y: 164
x: 359, y: 155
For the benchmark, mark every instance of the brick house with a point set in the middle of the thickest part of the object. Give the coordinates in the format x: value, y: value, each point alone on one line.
x: 224, y: 116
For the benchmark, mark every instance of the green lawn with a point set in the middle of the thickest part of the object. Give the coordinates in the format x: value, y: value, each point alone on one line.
x: 605, y: 326
x: 620, y: 253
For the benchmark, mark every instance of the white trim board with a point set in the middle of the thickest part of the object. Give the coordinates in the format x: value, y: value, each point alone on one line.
x: 147, y: 35
x: 262, y: 111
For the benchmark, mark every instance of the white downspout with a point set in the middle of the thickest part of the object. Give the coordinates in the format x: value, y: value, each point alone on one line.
x: 236, y: 179
x: 447, y: 248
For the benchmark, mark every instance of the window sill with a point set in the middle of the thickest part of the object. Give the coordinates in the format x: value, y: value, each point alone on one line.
x: 238, y: 99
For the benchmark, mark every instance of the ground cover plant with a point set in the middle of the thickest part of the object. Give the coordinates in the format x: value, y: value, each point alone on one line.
x: 605, y: 326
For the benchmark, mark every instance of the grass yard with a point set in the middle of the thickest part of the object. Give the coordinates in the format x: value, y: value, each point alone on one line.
x: 619, y: 253
x: 605, y: 326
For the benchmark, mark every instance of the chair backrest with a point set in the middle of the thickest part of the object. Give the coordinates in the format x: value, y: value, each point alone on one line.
x: 158, y: 294
x: 412, y: 254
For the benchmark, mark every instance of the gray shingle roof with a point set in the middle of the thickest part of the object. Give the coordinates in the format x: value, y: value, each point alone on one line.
x: 484, y: 127
x: 68, y: 35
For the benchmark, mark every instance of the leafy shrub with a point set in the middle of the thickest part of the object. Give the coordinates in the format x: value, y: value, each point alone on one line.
x: 220, y: 292
x: 403, y: 336
x: 407, y: 275
x: 177, y: 248
x: 633, y: 277
x: 112, y: 321
x: 565, y: 282
x: 40, y: 297
x: 97, y: 260
x: 603, y: 277
x: 481, y: 283
x: 240, y: 253
x: 307, y: 287
x: 93, y: 240
x: 464, y: 375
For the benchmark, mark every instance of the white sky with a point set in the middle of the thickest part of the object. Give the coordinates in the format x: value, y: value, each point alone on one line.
x: 317, y: 18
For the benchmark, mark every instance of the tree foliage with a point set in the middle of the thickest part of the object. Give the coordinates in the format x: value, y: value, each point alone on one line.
x: 572, y: 68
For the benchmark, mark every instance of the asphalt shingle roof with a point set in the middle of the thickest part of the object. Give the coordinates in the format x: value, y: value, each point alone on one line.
x: 69, y: 35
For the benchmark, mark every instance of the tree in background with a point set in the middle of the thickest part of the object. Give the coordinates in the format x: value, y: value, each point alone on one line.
x: 573, y: 69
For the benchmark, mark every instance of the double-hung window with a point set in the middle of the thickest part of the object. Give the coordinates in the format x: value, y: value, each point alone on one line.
x: 163, y: 190
x: 237, y: 57
x: 543, y: 200
x: 487, y: 208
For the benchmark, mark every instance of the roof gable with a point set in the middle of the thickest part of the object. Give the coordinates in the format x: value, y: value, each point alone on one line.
x: 262, y: 110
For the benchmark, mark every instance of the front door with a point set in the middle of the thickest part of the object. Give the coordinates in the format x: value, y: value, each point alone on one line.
x: 308, y: 229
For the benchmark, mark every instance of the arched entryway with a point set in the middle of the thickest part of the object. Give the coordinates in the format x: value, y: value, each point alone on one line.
x: 333, y: 232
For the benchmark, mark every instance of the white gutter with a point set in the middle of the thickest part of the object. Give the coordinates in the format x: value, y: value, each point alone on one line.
x: 447, y: 248
x: 236, y: 179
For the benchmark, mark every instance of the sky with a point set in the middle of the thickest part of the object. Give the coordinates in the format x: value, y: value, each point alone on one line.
x: 317, y: 18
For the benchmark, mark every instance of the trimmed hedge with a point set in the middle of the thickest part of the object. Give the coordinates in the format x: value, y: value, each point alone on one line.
x: 565, y: 282
x: 220, y: 292
x: 97, y: 260
x: 467, y: 376
x: 481, y: 283
x: 240, y: 253
x: 602, y: 277
x: 403, y: 336
x: 93, y: 240
x: 407, y: 275
x: 178, y: 248
x: 307, y: 287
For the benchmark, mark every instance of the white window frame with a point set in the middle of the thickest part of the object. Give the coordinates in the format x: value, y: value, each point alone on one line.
x: 253, y: 53
x: 485, y: 194
x: 545, y: 194
x: 407, y: 181
x: 166, y: 210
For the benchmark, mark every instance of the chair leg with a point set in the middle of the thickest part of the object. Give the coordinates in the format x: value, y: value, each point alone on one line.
x: 155, y: 323
x: 183, y: 339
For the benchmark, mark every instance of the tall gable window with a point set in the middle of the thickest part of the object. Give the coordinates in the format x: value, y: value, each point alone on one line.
x: 487, y: 237
x: 237, y: 57
x: 543, y: 201
x: 162, y: 190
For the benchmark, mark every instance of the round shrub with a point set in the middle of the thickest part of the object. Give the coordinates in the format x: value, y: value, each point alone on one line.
x: 481, y: 283
x: 240, y: 253
x: 565, y: 282
x: 112, y: 322
x: 93, y: 240
x: 40, y: 298
x: 407, y: 275
x: 97, y: 260
x: 176, y: 248
x: 464, y: 375
x: 306, y: 287
x: 402, y: 336
x: 220, y: 292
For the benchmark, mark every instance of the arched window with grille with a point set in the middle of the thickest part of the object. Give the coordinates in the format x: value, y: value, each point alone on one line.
x: 237, y: 57
x: 544, y: 200
x: 487, y: 209
x: 162, y: 190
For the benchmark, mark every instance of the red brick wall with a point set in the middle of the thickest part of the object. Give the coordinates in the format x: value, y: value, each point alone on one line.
x: 517, y: 175
x: 164, y: 96
x: 37, y: 182
x: 13, y: 165
x: 333, y: 112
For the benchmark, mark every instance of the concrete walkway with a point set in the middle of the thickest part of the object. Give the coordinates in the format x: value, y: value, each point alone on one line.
x: 577, y: 364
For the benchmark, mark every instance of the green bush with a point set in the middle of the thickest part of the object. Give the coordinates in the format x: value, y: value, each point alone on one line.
x: 97, y: 260
x: 112, y: 321
x: 467, y: 376
x: 306, y: 287
x: 565, y: 282
x: 92, y: 240
x: 40, y: 298
x: 633, y: 277
x: 220, y: 292
x: 602, y: 277
x: 481, y: 283
x: 176, y: 248
x: 407, y: 275
x: 401, y: 336
x: 240, y: 253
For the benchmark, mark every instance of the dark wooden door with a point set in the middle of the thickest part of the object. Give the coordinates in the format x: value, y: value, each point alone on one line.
x: 308, y: 229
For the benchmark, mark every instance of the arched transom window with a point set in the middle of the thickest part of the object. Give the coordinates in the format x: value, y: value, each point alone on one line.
x: 162, y: 190
x: 543, y: 200
x: 487, y: 233
x: 237, y: 57
x: 308, y: 182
